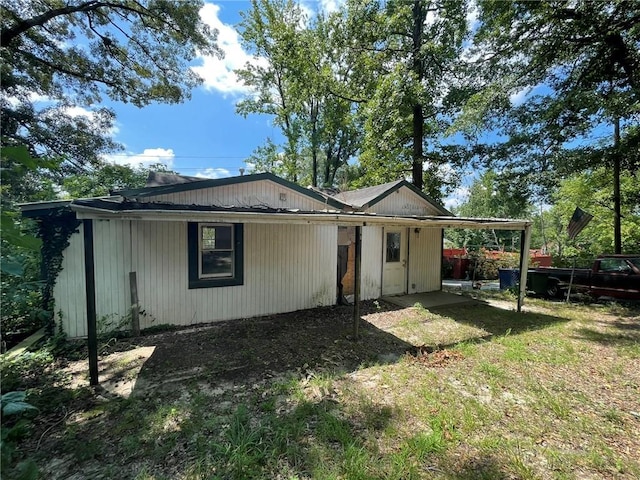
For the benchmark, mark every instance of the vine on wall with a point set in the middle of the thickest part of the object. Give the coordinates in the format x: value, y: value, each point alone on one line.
x: 55, y: 229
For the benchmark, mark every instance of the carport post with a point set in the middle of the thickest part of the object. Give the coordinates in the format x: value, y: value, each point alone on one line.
x: 356, y: 283
x: 90, y: 295
x: 525, y: 242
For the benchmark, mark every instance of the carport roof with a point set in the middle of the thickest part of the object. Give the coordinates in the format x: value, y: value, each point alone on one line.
x: 120, y: 208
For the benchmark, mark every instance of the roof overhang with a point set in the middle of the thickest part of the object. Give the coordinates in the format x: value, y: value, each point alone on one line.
x: 297, y: 217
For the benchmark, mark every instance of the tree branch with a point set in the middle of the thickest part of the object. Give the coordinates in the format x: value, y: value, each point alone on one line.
x: 9, y: 34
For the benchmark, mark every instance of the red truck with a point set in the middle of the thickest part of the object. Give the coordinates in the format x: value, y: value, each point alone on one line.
x: 616, y: 276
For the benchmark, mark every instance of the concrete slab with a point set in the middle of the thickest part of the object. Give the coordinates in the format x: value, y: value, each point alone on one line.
x: 429, y: 299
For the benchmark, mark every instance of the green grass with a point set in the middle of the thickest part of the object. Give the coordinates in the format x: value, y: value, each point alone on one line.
x: 541, y: 395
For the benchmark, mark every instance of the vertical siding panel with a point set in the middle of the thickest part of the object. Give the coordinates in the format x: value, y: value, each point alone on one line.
x: 69, y: 290
x: 425, y: 260
x: 287, y: 267
x: 371, y: 262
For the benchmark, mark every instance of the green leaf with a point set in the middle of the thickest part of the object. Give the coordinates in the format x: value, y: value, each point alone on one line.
x: 12, y: 267
x: 21, y: 155
x: 15, y: 408
x: 18, y: 396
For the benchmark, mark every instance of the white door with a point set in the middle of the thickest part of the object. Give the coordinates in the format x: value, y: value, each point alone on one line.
x: 394, y: 270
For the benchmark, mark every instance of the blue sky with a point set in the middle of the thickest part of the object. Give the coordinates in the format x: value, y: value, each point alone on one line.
x: 204, y: 136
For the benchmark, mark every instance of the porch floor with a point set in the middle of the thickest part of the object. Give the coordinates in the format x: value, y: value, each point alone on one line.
x: 429, y: 299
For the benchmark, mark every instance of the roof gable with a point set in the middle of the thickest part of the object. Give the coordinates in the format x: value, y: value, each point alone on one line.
x: 368, y: 198
x: 177, y: 191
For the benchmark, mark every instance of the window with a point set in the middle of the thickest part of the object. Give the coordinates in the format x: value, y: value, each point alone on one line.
x: 618, y: 265
x: 215, y: 254
x: 393, y: 246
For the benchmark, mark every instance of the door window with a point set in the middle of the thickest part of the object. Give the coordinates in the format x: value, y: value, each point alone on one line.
x: 393, y: 247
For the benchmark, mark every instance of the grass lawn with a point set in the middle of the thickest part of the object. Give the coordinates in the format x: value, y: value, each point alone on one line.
x: 469, y: 391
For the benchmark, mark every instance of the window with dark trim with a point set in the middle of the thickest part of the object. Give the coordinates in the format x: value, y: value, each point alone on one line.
x: 215, y: 254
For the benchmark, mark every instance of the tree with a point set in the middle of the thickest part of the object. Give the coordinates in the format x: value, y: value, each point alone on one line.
x: 299, y: 62
x: 58, y: 57
x: 109, y: 177
x: 591, y: 191
x: 417, y: 46
x: 579, y: 61
x: 492, y: 195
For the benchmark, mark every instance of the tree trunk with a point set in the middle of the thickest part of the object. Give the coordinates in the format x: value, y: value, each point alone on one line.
x: 617, y: 229
x: 419, y: 17
x: 418, y: 133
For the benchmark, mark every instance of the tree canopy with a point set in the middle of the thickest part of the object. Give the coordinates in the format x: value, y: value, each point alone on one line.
x: 61, y: 59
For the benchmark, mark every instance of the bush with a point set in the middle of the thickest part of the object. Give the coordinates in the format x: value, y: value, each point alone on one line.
x: 484, y: 265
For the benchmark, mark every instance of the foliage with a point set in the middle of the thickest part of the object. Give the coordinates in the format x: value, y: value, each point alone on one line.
x: 60, y: 60
x: 483, y: 266
x: 493, y: 195
x: 55, y: 229
x: 107, y: 178
x: 590, y: 191
x: 16, y: 413
x: 552, y: 79
x: 300, y: 60
x: 417, y: 47
x: 13, y: 403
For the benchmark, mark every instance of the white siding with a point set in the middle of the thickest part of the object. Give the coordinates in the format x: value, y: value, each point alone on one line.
x: 403, y: 202
x: 112, y: 264
x: 425, y: 258
x: 249, y: 194
x: 286, y: 268
x: 371, y: 268
x: 69, y: 290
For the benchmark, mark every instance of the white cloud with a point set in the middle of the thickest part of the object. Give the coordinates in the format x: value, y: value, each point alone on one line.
x: 213, y: 173
x: 457, y: 198
x: 219, y: 74
x: 148, y: 157
x: 473, y: 20
x: 518, y: 98
x: 330, y: 6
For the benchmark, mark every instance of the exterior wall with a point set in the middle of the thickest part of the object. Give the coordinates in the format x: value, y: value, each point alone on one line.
x: 286, y: 268
x: 69, y: 290
x: 112, y: 261
x: 371, y: 268
x: 250, y: 194
x: 425, y: 260
x: 403, y: 202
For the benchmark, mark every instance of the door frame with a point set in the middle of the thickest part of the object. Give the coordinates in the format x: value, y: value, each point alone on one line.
x: 404, y: 238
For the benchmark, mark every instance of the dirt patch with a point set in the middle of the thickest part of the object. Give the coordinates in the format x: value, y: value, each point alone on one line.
x: 245, y: 351
x: 433, y: 357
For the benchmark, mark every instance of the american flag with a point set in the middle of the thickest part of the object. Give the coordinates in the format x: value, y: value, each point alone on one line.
x: 578, y: 221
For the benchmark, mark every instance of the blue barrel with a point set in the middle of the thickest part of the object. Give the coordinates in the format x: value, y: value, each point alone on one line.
x: 509, y: 277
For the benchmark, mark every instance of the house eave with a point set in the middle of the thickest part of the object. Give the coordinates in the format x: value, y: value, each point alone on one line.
x: 304, y: 218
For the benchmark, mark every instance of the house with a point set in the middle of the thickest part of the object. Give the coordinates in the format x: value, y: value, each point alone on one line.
x: 186, y: 251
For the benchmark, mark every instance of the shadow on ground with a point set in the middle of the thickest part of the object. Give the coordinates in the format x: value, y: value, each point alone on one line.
x: 248, y: 350
x: 497, y: 321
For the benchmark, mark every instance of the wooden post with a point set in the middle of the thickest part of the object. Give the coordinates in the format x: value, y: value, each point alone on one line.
x: 135, y: 307
x: 525, y: 242
x: 356, y: 283
x: 90, y: 294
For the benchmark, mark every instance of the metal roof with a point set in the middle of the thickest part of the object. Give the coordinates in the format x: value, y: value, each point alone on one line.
x: 131, y: 210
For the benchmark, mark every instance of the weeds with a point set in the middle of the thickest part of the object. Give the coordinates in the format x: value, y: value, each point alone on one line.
x: 525, y: 400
